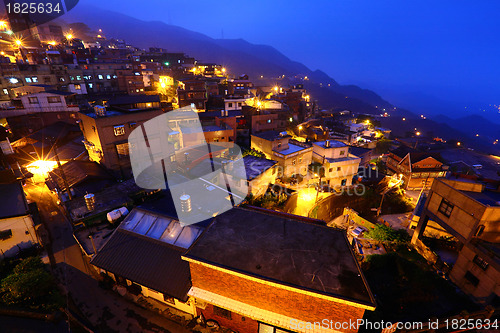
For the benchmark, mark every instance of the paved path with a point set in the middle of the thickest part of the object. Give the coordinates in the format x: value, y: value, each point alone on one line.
x: 106, y: 310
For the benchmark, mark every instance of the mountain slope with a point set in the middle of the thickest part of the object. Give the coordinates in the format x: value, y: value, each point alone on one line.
x: 240, y: 56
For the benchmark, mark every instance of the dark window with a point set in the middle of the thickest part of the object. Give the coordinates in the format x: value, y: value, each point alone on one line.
x: 222, y: 312
x: 480, y: 262
x: 5, y: 234
x: 168, y: 299
x: 472, y: 278
x: 479, y: 231
x: 33, y: 100
x: 445, y: 207
x: 54, y: 99
x: 132, y: 125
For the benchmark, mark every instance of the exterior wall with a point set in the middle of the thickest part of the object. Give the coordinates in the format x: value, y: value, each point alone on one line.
x: 19, y: 240
x: 258, y: 185
x: 331, y: 152
x: 348, y: 169
x: 489, y: 279
x: 104, y: 139
x: 234, y: 104
x: 237, y: 322
x: 465, y: 214
x: 264, y: 296
x: 264, y: 122
x: 219, y: 136
x: 187, y: 307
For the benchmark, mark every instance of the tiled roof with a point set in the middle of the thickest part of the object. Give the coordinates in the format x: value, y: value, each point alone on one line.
x: 283, y: 250
x: 146, y: 261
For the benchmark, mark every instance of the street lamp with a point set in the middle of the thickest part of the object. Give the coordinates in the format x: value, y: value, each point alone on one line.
x: 393, y: 182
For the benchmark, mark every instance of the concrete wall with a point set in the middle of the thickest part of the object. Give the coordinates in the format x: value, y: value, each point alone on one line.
x: 489, y: 279
x: 23, y: 235
x: 265, y: 296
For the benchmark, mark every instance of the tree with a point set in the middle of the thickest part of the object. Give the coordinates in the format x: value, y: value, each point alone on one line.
x: 387, y: 234
x: 30, y: 285
x: 383, y: 146
x: 253, y: 152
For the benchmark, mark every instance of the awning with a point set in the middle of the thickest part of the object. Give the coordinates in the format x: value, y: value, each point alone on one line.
x: 265, y: 316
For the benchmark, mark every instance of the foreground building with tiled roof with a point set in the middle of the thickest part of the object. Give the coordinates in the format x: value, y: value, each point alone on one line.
x: 262, y: 272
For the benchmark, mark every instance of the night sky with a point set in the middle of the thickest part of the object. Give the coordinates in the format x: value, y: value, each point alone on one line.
x: 443, y: 54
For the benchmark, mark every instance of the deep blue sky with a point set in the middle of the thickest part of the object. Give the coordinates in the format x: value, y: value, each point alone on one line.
x: 411, y: 52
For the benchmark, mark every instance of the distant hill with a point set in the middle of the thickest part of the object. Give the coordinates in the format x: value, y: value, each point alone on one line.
x: 473, y: 124
x: 242, y: 57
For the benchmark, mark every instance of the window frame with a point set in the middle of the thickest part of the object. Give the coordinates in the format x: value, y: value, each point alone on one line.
x: 444, y: 207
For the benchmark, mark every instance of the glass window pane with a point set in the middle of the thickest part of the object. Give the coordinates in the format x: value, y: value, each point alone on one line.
x: 263, y: 328
x: 171, y: 233
x: 187, y: 237
x: 144, y: 224
x: 158, y: 227
x: 131, y: 221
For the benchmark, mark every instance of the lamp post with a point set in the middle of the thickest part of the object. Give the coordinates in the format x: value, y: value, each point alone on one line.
x: 389, y: 188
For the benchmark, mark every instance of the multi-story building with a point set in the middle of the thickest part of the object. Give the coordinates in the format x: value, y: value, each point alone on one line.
x: 469, y: 212
x: 17, y: 231
x: 292, y: 159
x: 419, y: 169
x: 190, y: 92
x: 339, y: 165
x: 295, y: 273
x: 106, y: 132
x: 239, y: 87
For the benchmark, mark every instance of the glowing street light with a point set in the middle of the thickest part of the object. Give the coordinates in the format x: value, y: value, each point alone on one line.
x: 3, y: 24
x: 53, y: 43
x: 418, y: 133
x: 276, y: 88
x: 18, y: 42
x: 404, y: 119
x: 223, y: 69
x: 69, y: 36
x: 459, y: 143
x: 300, y: 127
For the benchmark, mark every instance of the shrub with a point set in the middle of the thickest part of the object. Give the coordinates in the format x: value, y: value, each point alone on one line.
x: 387, y: 234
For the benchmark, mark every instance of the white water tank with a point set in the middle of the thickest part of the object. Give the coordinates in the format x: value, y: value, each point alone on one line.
x: 116, y: 214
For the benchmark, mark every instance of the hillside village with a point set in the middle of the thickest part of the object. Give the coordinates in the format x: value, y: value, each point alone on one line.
x: 339, y: 217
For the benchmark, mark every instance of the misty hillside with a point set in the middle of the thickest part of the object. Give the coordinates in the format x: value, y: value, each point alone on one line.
x: 242, y: 57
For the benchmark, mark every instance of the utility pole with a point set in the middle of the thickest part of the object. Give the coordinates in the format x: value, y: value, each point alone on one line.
x: 63, y: 175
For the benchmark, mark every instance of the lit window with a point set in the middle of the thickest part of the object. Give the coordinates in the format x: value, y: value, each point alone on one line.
x: 28, y: 80
x: 100, y: 77
x: 471, y: 278
x: 108, y: 77
x: 119, y: 130
x: 122, y: 149
x: 34, y: 79
x: 78, y: 77
x: 78, y: 87
x: 5, y: 91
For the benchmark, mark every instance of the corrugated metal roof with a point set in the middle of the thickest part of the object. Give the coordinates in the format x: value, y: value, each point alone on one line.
x: 146, y: 261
